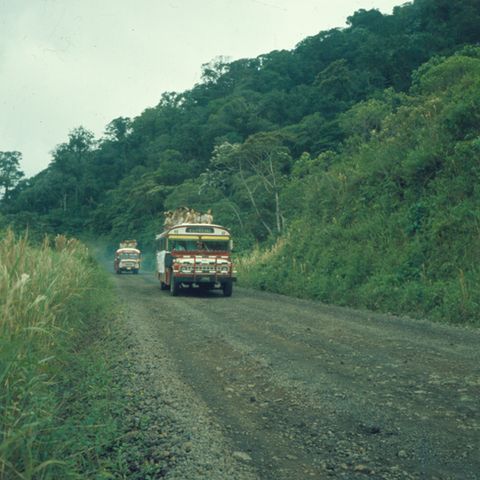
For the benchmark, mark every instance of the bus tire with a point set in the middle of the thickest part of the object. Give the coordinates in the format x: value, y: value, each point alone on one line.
x: 227, y: 288
x: 174, y: 286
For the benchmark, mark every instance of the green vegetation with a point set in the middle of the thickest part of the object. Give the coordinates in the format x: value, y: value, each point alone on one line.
x: 393, y: 224
x: 355, y: 155
x: 56, y: 400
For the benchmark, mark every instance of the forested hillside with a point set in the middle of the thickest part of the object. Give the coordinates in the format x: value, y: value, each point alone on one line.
x: 356, y: 155
x: 391, y: 222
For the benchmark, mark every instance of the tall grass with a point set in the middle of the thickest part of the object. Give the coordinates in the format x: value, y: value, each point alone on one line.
x: 48, y: 302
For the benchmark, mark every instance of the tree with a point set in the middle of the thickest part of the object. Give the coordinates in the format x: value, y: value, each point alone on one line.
x: 10, y: 173
x: 257, y: 168
x: 70, y: 165
x: 215, y: 69
x: 267, y: 159
x: 118, y: 129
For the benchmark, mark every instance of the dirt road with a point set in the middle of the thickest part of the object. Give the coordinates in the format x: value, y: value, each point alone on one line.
x: 269, y: 387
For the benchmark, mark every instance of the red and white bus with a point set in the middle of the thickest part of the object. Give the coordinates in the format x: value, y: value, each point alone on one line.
x: 195, y: 256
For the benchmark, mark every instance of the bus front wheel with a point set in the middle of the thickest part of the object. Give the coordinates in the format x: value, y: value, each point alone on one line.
x: 174, y: 286
x: 227, y: 288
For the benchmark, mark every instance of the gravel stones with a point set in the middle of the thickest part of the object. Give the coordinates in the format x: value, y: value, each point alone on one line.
x: 244, y: 457
x: 169, y: 433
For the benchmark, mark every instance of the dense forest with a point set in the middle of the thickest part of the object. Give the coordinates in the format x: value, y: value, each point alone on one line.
x: 349, y: 165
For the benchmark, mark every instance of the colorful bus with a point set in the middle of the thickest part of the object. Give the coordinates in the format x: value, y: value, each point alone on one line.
x: 127, y: 257
x: 195, y: 256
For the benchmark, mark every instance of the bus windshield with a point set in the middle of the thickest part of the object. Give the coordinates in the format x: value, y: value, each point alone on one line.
x: 199, y: 245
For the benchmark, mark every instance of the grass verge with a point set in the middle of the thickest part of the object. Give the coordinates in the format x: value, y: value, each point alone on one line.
x: 58, y: 403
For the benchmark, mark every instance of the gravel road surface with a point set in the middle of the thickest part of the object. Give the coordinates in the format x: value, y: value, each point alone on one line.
x: 262, y: 386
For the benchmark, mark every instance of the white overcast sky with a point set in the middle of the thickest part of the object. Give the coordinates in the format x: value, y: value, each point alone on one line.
x: 66, y: 63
